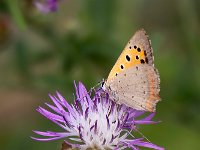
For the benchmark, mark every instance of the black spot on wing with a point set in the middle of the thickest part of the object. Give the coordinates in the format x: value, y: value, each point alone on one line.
x: 145, y: 53
x: 146, y: 60
x: 142, y: 61
x: 128, y: 58
x: 138, y: 49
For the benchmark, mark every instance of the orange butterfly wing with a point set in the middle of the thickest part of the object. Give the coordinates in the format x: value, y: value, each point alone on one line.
x: 137, y: 51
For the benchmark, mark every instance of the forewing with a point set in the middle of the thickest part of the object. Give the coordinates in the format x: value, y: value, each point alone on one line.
x: 137, y: 51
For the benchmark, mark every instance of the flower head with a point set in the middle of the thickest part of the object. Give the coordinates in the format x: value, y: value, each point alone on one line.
x: 46, y: 6
x: 94, y: 123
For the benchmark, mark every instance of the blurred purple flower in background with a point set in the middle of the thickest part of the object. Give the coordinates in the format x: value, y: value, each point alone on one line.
x: 46, y: 6
x: 95, y: 123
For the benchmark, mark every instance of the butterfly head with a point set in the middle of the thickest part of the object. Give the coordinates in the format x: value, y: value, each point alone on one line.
x: 103, y: 85
x: 107, y: 89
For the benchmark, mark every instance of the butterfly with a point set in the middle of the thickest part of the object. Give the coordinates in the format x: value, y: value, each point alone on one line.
x: 133, y: 80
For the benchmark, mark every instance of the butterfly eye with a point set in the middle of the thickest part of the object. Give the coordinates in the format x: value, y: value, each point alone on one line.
x: 102, y: 84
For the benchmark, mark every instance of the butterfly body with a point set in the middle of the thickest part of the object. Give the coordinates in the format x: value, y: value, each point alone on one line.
x: 134, y: 81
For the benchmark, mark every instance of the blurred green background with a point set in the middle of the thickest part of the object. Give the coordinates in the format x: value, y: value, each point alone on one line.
x: 40, y: 54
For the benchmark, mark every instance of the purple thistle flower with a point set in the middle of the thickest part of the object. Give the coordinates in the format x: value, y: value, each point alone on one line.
x: 95, y: 122
x: 46, y: 6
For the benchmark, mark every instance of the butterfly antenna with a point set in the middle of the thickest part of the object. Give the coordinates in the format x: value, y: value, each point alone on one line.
x: 100, y: 82
x: 142, y: 135
x: 74, y: 96
x: 93, y: 88
x: 129, y: 132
